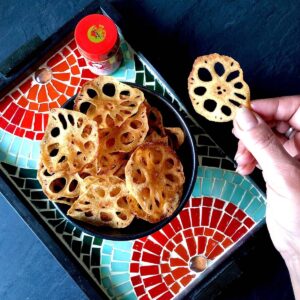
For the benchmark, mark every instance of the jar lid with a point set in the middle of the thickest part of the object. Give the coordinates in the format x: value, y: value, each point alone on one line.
x: 96, y: 34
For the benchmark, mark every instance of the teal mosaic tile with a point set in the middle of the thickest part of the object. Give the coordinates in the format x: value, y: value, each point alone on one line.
x: 119, y: 266
x: 196, y: 190
x: 229, y: 175
x: 2, y: 133
x: 123, y: 245
x: 32, y: 164
x: 218, y: 173
x: 252, y: 208
x: 200, y: 172
x: 237, y: 195
x: 245, y: 201
x: 209, y: 173
x: 11, y: 159
x: 107, y: 249
x: 15, y: 146
x: 105, y: 259
x: 2, y: 155
x: 207, y: 186
x: 21, y: 162
x: 259, y: 214
x: 105, y: 271
x: 123, y: 289
x: 106, y: 282
x: 119, y: 278
x: 217, y: 188
x: 26, y: 148
x: 245, y: 184
x: 130, y: 296
x: 35, y: 154
x: 237, y: 179
x: 121, y: 255
x: 6, y: 142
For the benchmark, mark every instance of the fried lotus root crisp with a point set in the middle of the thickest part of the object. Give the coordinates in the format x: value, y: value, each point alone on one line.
x: 108, y: 101
x: 155, y: 178
x: 217, y: 88
x: 175, y: 136
x: 70, y: 141
x: 126, y: 137
x: 103, y: 202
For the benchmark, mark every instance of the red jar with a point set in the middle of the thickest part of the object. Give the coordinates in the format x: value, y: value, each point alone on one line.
x: 98, y: 42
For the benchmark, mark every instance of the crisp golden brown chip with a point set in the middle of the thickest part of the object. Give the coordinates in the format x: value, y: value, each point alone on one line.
x: 108, y: 101
x: 217, y: 88
x: 154, y: 137
x: 103, y: 202
x: 126, y: 137
x: 62, y: 187
x: 175, y: 137
x: 155, y: 121
x: 70, y: 141
x: 155, y: 178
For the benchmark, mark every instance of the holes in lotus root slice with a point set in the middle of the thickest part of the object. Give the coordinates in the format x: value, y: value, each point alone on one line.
x: 138, y: 177
x: 122, y: 202
x: 63, y: 121
x: 55, y: 132
x: 86, y: 131
x: 73, y: 185
x: 57, y: 185
x: 214, y: 81
x: 84, y: 107
x: 92, y: 93
x: 53, y: 150
x: 124, y: 95
x: 127, y: 138
x: 109, y: 89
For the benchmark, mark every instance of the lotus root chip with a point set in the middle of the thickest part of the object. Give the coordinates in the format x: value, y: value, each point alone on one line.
x: 108, y: 101
x: 155, y: 178
x: 217, y: 88
x: 70, y: 141
x: 103, y: 202
x: 126, y: 137
x: 175, y: 137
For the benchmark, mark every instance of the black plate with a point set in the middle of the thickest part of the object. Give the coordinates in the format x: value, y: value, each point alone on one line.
x: 187, y: 154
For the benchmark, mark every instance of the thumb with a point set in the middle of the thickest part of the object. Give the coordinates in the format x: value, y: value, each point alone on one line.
x: 259, y: 139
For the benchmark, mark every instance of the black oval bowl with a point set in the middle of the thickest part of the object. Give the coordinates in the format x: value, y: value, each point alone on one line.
x: 187, y: 154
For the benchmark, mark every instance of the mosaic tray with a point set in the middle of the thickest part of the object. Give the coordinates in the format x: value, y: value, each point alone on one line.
x: 224, y: 206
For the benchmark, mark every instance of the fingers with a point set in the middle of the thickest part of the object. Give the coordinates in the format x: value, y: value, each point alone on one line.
x: 281, y: 109
x: 259, y: 139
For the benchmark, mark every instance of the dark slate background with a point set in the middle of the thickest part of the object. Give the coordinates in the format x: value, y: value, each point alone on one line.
x: 264, y: 36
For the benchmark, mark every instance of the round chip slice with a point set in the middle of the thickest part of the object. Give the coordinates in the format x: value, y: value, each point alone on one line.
x: 175, y: 136
x: 155, y: 120
x: 126, y: 137
x: 217, y: 88
x: 108, y: 101
x: 110, y: 163
x: 103, y: 202
x: 155, y: 178
x: 70, y: 141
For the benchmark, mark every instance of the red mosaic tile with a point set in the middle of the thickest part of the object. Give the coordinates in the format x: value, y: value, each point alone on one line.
x: 187, y: 279
x: 170, y: 245
x: 39, y: 136
x: 75, y: 81
x: 230, y: 208
x: 148, y: 257
x: 226, y: 243
x: 195, y: 214
x: 10, y: 111
x: 158, y: 290
x: 30, y: 135
x: 224, y: 222
x: 75, y: 70
x: 54, y: 60
x: 139, y: 290
x: 45, y: 116
x: 71, y: 60
x: 86, y: 73
x: 177, y: 262
x: 249, y: 222
x: 201, y: 244
x: 208, y: 231
x: 232, y: 227
x: 19, y: 132
x: 176, y: 224
x: 134, y: 267
x: 166, y: 296
x: 60, y: 87
x: 38, y: 122
x: 198, y: 231
x: 205, y: 216
x: 61, y: 67
x: 219, y: 203
x: 72, y: 44
x: 33, y: 106
x: 66, y: 51
x: 169, y: 279
x: 81, y: 62
x: 185, y: 218
x: 196, y: 202
x: 43, y: 107
x: 23, y: 102
x: 239, y: 234
x: 215, y: 252
x: 32, y: 94
x: 5, y: 102
x: 240, y: 215
x: 152, y: 280
x: 218, y: 236
x: 16, y: 94
x: 53, y: 105
x: 27, y: 120
x: 188, y: 232
x: 77, y: 53
x: 180, y: 272
x: 178, y: 238
x: 62, y: 99
x: 210, y: 245
x: 136, y: 280
x: 160, y: 237
x: 149, y: 270
x: 18, y: 116
x: 65, y: 76
x: 207, y: 201
x: 70, y: 91
x: 145, y: 297
x: 138, y: 245
x: 10, y: 128
x: 182, y: 252
x: 165, y: 268
x: 53, y: 94
x: 192, y: 247
x: 3, y: 123
x: 166, y: 255
x: 25, y: 86
x: 152, y: 247
x: 136, y: 255
x: 42, y: 96
x: 215, y: 218
x: 175, y: 288
x: 83, y: 81
x: 169, y: 231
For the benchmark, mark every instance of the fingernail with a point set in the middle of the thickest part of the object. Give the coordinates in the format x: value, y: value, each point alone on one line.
x: 238, y: 157
x: 245, y: 119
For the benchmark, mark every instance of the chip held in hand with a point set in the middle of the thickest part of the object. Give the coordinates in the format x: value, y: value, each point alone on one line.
x: 217, y: 88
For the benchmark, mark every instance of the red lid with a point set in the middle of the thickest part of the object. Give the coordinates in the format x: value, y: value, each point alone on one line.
x: 96, y: 35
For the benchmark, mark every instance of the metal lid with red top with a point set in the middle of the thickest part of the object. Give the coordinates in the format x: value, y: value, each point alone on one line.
x: 96, y: 35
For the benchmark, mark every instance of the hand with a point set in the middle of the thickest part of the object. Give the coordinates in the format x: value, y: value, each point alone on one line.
x: 262, y: 141
x: 276, y: 156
